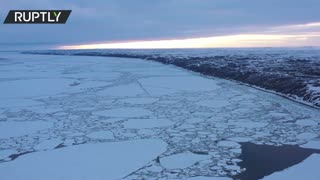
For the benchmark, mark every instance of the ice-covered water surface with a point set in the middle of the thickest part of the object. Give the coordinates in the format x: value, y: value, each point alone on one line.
x: 93, y: 102
x: 291, y: 72
x: 91, y: 161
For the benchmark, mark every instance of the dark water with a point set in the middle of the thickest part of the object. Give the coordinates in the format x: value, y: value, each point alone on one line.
x: 60, y: 146
x: 263, y: 160
x: 15, y: 156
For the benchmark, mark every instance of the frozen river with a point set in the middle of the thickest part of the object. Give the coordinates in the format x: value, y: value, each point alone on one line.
x: 71, y: 117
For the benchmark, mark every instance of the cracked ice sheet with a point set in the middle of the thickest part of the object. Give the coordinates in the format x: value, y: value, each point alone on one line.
x: 130, y: 90
x: 182, y: 160
x: 48, y: 144
x: 184, y: 83
x: 90, y: 161
x: 33, y: 87
x: 124, y: 112
x: 312, y: 145
x: 11, y: 103
x: 209, y: 178
x: 13, y: 129
x: 208, y: 116
x: 147, y: 123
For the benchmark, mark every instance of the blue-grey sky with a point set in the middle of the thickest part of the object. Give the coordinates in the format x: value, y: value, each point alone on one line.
x: 121, y: 20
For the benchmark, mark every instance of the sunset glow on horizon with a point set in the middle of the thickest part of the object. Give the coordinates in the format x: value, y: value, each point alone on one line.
x: 233, y: 41
x: 278, y: 36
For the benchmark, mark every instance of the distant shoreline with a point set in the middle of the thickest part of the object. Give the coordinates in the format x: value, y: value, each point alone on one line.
x: 285, y: 72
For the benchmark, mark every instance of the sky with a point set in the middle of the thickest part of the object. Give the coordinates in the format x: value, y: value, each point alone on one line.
x: 169, y: 23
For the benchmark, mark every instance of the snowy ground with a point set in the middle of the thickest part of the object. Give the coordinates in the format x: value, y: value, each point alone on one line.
x: 69, y: 117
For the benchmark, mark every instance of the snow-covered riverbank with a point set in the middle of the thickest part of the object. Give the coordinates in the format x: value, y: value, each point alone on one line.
x: 289, y: 72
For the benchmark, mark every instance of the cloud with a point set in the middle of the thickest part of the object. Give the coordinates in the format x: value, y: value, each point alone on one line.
x: 232, y: 41
x: 278, y: 36
x: 119, y: 20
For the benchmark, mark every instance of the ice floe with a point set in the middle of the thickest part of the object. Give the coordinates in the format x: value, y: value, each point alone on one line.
x: 14, y: 129
x: 185, y: 83
x: 228, y: 144
x: 208, y: 178
x: 18, y: 103
x: 101, y: 135
x: 240, y: 139
x: 248, y: 124
x: 139, y: 100
x: 124, y: 112
x: 307, y: 135
x: 214, y: 103
x: 48, y: 144
x: 6, y: 153
x: 312, y: 145
x: 182, y: 160
x: 33, y: 87
x: 129, y: 90
x: 147, y: 123
x: 306, y: 122
x: 90, y: 161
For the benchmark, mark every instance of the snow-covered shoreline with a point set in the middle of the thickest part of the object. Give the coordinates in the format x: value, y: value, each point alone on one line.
x: 292, y: 73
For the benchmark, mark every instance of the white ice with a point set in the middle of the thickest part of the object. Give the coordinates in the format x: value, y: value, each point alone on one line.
x: 209, y: 178
x: 129, y: 90
x: 101, y: 135
x: 307, y: 135
x: 312, y: 145
x: 147, y: 123
x: 95, y: 75
x: 249, y: 124
x: 228, y: 144
x: 13, y: 129
x: 306, y: 122
x: 6, y: 153
x: 240, y: 139
x: 182, y: 160
x: 48, y: 144
x: 218, y: 103
x: 139, y: 100
x: 185, y: 83
x: 124, y: 112
x: 33, y: 87
x: 89, y: 161
x: 19, y: 102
